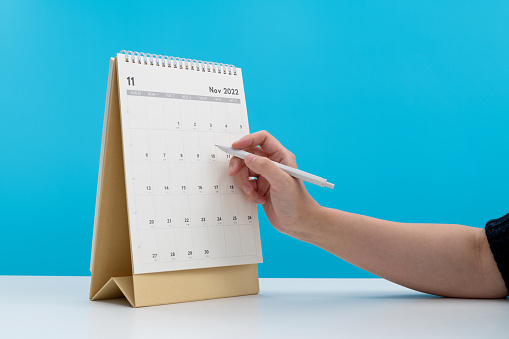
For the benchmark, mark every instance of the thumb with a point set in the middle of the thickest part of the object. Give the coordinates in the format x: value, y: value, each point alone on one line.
x: 276, y: 177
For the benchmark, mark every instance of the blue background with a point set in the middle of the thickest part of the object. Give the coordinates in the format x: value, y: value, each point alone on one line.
x: 403, y: 105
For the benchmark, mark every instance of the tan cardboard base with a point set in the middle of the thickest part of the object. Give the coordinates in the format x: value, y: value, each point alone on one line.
x: 181, y: 286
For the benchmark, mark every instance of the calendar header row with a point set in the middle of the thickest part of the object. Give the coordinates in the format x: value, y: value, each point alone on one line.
x: 182, y: 96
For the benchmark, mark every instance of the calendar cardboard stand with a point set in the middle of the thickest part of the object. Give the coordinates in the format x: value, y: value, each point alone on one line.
x: 112, y: 265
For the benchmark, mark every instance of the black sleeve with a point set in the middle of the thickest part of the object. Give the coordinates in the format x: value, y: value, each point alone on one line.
x: 497, y: 231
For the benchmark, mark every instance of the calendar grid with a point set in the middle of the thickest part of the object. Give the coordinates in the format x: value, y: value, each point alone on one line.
x: 225, y: 224
x: 184, y: 208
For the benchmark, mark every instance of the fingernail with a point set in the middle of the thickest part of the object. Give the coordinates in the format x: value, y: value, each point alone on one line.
x: 260, y: 201
x: 249, y: 158
x: 247, y: 189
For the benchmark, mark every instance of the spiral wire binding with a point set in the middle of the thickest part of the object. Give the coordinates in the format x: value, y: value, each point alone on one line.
x: 180, y: 63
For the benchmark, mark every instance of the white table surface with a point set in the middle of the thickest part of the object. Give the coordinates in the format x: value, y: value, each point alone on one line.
x: 58, y: 307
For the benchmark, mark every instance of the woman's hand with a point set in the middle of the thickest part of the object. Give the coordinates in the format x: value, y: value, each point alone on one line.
x: 287, y: 204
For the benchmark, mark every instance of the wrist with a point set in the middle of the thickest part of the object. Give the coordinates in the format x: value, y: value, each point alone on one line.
x: 315, y: 228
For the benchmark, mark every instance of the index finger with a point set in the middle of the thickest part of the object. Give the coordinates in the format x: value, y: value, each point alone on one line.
x: 264, y: 139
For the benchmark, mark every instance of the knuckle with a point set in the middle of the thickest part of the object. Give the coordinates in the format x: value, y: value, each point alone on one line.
x: 292, y: 158
x: 265, y: 134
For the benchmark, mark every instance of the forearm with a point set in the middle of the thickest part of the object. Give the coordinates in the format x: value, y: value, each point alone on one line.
x: 447, y: 260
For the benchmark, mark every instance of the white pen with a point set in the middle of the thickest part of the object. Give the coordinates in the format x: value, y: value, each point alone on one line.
x: 290, y: 170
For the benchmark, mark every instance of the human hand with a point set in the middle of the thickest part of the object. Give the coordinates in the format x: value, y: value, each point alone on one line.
x: 287, y: 204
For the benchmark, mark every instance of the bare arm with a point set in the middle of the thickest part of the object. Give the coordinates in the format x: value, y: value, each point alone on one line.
x: 446, y: 260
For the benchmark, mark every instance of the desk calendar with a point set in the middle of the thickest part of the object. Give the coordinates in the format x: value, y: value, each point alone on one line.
x: 167, y: 213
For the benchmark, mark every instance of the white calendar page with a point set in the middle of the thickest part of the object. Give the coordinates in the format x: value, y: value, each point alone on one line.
x: 185, y: 212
